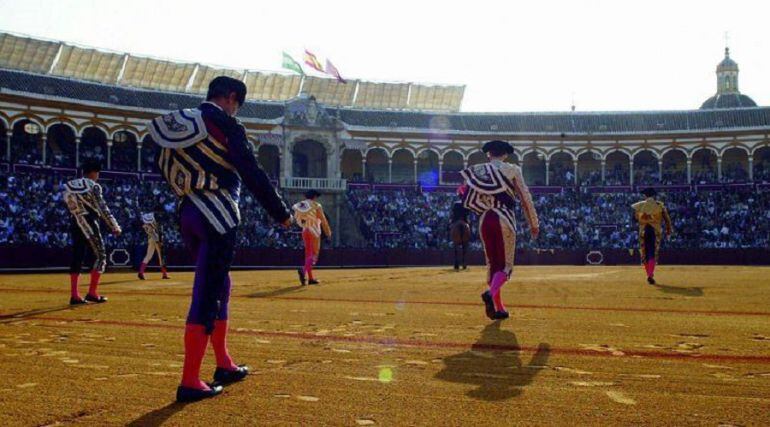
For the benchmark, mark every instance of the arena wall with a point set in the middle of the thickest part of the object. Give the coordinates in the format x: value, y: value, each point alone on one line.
x: 30, y: 258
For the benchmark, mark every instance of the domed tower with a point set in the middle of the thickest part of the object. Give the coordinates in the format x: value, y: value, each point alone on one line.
x: 728, y: 95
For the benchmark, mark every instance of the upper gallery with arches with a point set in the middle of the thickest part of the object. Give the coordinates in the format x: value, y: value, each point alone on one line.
x: 43, y: 123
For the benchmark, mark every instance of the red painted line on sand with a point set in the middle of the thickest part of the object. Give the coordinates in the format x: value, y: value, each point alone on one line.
x: 449, y: 303
x: 441, y: 345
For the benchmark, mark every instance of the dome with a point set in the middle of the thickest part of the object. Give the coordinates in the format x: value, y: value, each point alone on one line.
x: 728, y: 100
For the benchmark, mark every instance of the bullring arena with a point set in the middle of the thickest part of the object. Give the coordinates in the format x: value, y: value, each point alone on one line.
x: 393, y: 335
x: 403, y: 346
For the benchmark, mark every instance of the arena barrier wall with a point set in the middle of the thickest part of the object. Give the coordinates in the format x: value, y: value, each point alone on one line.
x: 36, y: 258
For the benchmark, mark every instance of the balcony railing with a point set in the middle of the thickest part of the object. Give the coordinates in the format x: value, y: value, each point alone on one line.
x: 327, y: 184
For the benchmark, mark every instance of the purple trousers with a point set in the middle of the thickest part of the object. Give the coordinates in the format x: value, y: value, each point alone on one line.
x: 212, y: 253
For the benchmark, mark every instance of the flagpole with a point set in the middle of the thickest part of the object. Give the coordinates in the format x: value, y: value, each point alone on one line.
x: 301, y: 84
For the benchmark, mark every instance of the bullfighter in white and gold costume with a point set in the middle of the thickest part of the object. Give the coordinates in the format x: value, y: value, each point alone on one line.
x: 309, y: 215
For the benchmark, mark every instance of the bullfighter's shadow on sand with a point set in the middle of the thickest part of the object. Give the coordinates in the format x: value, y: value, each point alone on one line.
x: 493, y: 364
x: 689, y: 292
x: 158, y: 416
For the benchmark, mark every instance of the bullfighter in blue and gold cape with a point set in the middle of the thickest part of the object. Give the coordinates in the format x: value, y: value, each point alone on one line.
x: 205, y: 157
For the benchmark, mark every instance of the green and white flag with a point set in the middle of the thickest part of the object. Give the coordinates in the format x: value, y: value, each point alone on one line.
x: 290, y: 64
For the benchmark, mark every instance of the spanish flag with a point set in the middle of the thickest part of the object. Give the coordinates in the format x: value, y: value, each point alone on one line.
x: 312, y: 61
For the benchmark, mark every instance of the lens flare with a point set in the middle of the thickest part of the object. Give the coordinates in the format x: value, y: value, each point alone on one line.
x: 386, y: 375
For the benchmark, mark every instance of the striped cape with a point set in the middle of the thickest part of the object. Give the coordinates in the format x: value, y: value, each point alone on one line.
x: 493, y: 187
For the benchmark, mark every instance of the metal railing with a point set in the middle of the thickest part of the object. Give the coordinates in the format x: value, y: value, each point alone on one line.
x: 328, y: 184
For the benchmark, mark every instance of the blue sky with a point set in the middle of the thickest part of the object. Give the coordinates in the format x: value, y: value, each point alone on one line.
x: 511, y: 55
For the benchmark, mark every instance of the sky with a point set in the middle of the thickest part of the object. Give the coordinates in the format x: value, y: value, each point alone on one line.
x: 511, y: 55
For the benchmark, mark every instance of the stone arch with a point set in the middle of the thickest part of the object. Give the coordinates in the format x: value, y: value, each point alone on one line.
x: 403, y: 166
x: 761, y: 157
x: 427, y: 167
x: 149, y: 155
x: 674, y: 166
x: 704, y: 165
x: 561, y: 169
x: 126, y: 129
x: 735, y: 164
x: 97, y: 125
x: 60, y: 145
x: 589, y: 168
x: 26, y: 148
x: 476, y: 157
x: 453, y: 164
x: 646, y: 167
x: 351, y: 165
x: 269, y: 158
x: 513, y: 158
x: 124, y: 150
x: 31, y: 118
x: 65, y: 121
x: 377, y: 164
x: 533, y: 167
x: 309, y: 159
x: 617, y: 168
x: 93, y: 145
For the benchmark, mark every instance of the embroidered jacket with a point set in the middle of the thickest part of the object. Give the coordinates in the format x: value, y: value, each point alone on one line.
x: 494, y: 186
x: 204, y: 157
x: 309, y: 215
x: 654, y: 213
x: 84, y: 199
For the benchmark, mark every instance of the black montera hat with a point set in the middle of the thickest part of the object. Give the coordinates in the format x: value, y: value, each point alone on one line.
x: 497, y: 147
x: 309, y: 194
x: 650, y: 192
x: 91, y: 165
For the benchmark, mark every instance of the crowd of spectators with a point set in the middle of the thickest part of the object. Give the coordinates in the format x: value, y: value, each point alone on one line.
x: 32, y: 213
x: 406, y: 218
x: 572, y: 219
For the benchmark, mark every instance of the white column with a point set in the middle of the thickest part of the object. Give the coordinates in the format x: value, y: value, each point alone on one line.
x: 547, y: 171
x: 631, y: 171
x: 751, y: 169
x: 8, y: 135
x: 689, y: 171
x: 77, y: 151
x: 44, y: 138
x: 719, y: 169
x: 575, y: 164
x: 287, y: 162
x: 363, y: 168
x: 415, y: 170
x: 604, y: 171
x: 139, y: 157
x: 390, y: 171
x: 440, y: 172
x: 109, y: 154
x: 660, y: 169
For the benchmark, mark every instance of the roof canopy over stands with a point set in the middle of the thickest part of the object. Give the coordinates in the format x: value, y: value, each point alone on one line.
x: 65, y: 60
x: 568, y: 122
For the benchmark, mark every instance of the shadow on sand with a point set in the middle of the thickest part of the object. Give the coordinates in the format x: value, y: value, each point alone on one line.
x: 494, y: 366
x: 690, y: 292
x: 276, y: 292
x: 11, y: 317
x: 158, y: 416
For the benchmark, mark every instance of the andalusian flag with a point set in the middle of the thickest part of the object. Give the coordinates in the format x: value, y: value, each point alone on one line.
x: 290, y: 64
x: 312, y: 61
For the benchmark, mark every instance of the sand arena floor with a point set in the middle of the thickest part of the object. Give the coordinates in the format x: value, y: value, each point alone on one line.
x: 584, y: 345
